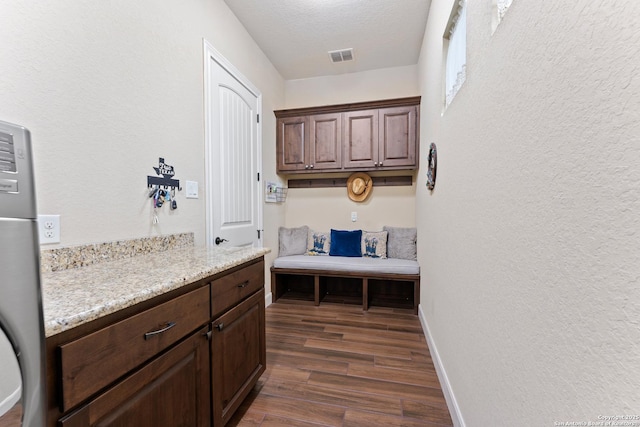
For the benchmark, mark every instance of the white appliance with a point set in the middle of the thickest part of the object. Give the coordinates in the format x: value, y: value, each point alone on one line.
x: 22, y: 379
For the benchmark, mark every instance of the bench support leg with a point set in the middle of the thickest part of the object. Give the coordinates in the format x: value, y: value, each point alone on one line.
x: 416, y: 295
x: 274, y: 287
x: 316, y: 290
x: 365, y: 294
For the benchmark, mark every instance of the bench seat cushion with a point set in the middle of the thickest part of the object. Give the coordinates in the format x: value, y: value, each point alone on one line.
x: 355, y: 265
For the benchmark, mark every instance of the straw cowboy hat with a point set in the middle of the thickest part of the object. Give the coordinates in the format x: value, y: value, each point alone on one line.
x: 359, y: 185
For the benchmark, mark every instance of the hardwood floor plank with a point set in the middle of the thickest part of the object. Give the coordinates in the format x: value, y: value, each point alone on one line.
x: 336, y: 365
x: 359, y: 348
x: 403, y: 376
x: 394, y: 362
x: 304, y: 333
x: 321, y: 353
x: 344, y: 398
x: 424, y: 410
x: 248, y: 419
x: 355, y: 418
x: 416, y: 345
x: 287, y: 373
x: 309, y: 363
x: 295, y: 409
x: 385, y: 388
x: 273, y: 421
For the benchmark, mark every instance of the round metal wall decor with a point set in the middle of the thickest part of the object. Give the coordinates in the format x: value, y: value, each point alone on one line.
x: 433, y: 166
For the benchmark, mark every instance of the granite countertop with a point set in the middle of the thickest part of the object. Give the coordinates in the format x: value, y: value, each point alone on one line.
x: 79, y: 295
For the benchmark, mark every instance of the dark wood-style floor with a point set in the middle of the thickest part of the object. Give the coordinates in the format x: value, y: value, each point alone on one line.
x: 335, y: 365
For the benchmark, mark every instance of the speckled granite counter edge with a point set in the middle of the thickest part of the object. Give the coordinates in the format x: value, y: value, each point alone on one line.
x: 74, y: 310
x: 84, y: 255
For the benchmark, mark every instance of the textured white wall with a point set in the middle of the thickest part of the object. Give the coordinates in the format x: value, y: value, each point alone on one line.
x: 529, y: 245
x: 326, y: 208
x: 384, y: 83
x: 330, y: 207
x: 108, y: 87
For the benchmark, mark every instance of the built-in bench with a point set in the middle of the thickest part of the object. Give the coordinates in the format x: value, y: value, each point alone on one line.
x: 386, y: 282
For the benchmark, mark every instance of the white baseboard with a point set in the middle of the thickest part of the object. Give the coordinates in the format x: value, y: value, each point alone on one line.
x: 268, y: 299
x: 449, y: 396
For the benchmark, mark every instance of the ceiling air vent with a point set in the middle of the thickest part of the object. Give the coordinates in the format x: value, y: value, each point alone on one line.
x: 341, y: 55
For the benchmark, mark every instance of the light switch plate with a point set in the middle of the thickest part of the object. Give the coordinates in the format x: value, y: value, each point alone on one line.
x: 192, y: 190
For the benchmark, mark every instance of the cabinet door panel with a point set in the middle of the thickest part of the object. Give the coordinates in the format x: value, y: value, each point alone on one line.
x: 361, y: 139
x: 397, y: 136
x: 238, y: 355
x: 171, y: 391
x: 292, y: 135
x: 325, y: 142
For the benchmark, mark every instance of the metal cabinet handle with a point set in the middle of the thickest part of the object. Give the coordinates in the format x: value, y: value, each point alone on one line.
x: 375, y: 163
x: 310, y: 166
x: 219, y: 326
x: 151, y: 334
x: 243, y: 284
x: 380, y: 164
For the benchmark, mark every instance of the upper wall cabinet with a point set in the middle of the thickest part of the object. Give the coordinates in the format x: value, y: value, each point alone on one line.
x: 307, y: 143
x: 367, y: 136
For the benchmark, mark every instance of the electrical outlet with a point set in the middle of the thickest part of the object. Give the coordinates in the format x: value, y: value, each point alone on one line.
x: 49, y: 229
x: 354, y: 216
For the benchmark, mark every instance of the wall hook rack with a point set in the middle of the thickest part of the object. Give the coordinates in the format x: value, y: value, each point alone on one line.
x: 164, y: 179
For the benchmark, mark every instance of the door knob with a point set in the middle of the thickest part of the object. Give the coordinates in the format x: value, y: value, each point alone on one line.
x: 219, y: 240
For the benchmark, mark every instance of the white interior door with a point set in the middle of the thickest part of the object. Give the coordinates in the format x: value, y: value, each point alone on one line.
x: 234, y: 199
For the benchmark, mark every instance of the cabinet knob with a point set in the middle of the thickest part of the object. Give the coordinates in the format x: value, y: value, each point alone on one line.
x: 375, y: 163
x: 380, y: 164
x: 306, y: 166
x: 310, y: 166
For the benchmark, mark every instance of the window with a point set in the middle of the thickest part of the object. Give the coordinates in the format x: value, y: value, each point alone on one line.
x: 456, y: 45
x: 499, y: 9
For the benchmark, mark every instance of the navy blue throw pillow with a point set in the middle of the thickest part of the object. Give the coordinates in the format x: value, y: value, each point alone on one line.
x: 346, y: 243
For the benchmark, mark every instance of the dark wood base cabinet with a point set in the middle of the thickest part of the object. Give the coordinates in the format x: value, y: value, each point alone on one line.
x: 187, y: 358
x: 171, y: 391
x: 239, y: 355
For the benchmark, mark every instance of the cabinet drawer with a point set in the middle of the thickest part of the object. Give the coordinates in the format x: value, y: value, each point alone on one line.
x: 171, y: 390
x: 96, y: 360
x: 229, y: 290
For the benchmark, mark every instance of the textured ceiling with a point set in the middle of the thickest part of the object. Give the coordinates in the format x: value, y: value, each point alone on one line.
x: 297, y: 34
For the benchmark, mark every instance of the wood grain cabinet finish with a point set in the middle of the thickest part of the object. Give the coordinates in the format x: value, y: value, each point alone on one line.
x: 308, y: 143
x: 367, y: 136
x: 172, y: 390
x: 325, y: 141
x: 293, y: 143
x: 397, y: 137
x: 238, y: 355
x: 187, y: 358
x: 230, y: 289
x: 90, y: 363
x: 361, y: 139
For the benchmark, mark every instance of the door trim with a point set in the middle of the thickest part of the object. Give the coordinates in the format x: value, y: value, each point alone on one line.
x: 209, y: 52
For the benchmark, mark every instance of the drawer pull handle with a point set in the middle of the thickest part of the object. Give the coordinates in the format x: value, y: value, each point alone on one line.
x: 151, y: 334
x: 243, y: 284
x: 220, y: 326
